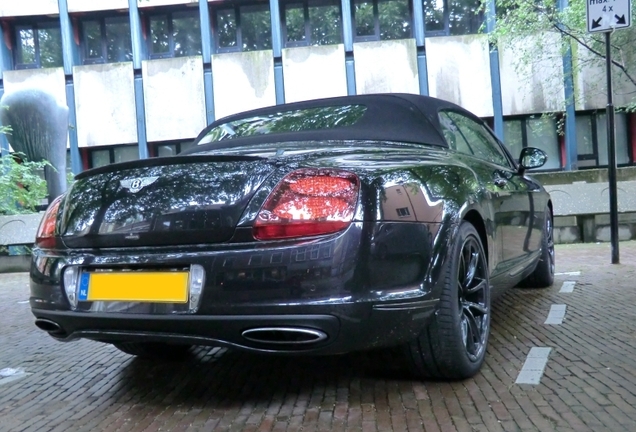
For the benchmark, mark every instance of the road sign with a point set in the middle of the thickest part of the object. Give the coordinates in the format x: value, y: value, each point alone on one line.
x: 608, y: 15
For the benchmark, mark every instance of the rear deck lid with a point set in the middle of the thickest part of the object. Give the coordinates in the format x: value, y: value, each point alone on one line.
x: 162, y: 201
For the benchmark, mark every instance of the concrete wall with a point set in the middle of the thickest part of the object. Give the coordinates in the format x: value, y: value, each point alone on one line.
x: 386, y: 66
x: 28, y: 7
x: 536, y: 86
x: 151, y: 3
x: 105, y: 104
x: 314, y: 72
x: 96, y: 5
x: 590, y: 80
x: 51, y: 80
x: 174, y: 98
x: 243, y: 81
x: 459, y: 71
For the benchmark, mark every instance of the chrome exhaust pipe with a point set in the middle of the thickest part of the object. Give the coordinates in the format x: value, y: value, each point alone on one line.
x: 49, y: 326
x: 284, y: 335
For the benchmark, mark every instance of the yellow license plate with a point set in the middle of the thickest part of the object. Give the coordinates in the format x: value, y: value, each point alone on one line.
x: 143, y: 286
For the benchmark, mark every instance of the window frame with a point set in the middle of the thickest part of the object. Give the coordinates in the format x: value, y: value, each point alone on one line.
x: 377, y: 35
x: 34, y: 25
x: 101, y: 18
x: 595, y: 155
x: 306, y: 4
x: 111, y: 153
x: 446, y: 31
x: 525, y: 144
x: 486, y: 132
x: 236, y: 7
x: 169, y: 14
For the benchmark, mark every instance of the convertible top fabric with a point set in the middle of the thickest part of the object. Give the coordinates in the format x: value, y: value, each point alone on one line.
x: 389, y: 117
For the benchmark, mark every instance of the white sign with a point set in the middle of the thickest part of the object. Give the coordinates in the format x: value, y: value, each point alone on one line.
x: 608, y: 15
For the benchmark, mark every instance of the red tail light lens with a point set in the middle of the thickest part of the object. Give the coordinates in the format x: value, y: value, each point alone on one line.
x: 45, y: 237
x: 308, y: 202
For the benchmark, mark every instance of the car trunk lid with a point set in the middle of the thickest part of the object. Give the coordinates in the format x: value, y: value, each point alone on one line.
x: 161, y: 201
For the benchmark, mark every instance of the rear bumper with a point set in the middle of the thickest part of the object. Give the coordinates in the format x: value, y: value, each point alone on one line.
x: 373, y: 285
x: 357, y: 329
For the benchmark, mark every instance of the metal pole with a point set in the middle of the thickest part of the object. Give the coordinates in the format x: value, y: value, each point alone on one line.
x: 611, y: 154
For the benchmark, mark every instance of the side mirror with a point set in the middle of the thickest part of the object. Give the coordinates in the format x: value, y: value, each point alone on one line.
x: 531, y: 158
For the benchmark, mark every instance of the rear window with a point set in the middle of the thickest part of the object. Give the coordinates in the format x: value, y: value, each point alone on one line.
x: 309, y: 119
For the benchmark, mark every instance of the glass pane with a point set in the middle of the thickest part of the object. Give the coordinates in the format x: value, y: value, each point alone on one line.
x: 186, y: 145
x: 226, y: 28
x: 295, y: 22
x: 118, y: 41
x: 483, y: 145
x: 126, y: 153
x: 365, y: 23
x: 92, y: 33
x: 434, y: 15
x: 512, y: 137
x: 584, y: 141
x: 159, y: 36
x: 167, y: 150
x: 395, y: 19
x: 50, y: 43
x: 465, y: 17
x: 288, y: 121
x: 325, y: 24
x: 187, y: 35
x: 100, y: 158
x: 542, y: 134
x: 256, y: 28
x: 622, y: 155
x: 26, y: 46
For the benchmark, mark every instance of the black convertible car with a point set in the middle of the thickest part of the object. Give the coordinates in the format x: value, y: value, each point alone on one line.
x: 318, y: 227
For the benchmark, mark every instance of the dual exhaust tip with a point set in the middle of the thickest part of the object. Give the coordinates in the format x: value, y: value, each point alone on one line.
x: 262, y: 335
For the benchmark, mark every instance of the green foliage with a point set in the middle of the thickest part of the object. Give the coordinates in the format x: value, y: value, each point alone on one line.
x: 21, y: 186
x: 523, y: 20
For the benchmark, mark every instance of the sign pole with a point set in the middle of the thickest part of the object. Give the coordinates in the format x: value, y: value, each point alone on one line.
x: 611, y: 153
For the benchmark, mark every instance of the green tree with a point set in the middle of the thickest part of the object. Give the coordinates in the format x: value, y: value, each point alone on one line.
x: 517, y: 20
x: 22, y: 188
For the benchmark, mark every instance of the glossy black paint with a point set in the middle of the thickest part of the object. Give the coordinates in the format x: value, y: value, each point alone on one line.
x: 375, y: 284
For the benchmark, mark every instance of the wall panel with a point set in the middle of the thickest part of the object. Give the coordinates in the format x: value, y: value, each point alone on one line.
x: 174, y: 98
x: 314, y: 72
x: 105, y: 104
x: 10, y: 8
x: 386, y: 66
x: 532, y: 86
x: 459, y: 71
x: 243, y: 81
x: 96, y: 5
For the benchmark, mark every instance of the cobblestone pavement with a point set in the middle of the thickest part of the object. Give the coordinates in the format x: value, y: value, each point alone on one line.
x: 589, y: 381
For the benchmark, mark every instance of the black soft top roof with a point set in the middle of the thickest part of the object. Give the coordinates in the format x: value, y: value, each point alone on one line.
x: 388, y: 117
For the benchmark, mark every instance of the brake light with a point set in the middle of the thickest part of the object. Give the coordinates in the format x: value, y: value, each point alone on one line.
x: 45, y: 237
x: 308, y: 202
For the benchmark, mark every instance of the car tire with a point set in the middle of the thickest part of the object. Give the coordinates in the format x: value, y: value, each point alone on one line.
x: 453, y: 345
x: 154, y: 350
x: 543, y: 274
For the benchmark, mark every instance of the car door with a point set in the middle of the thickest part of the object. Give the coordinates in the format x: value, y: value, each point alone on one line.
x: 511, y: 195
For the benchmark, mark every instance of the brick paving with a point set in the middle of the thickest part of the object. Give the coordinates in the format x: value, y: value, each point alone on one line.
x: 589, y: 382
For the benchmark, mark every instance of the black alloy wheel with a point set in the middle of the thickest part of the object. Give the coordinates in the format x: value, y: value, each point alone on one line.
x: 453, y: 346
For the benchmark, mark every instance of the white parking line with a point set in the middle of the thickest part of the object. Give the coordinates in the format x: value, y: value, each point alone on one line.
x: 10, y: 374
x: 567, y: 287
x: 556, y: 314
x: 533, y: 368
x: 576, y: 273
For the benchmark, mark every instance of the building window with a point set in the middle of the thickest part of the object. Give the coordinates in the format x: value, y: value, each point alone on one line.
x: 452, y: 17
x: 171, y: 148
x: 539, y: 132
x: 174, y: 34
x: 381, y: 19
x: 105, y: 156
x: 38, y: 45
x: 312, y: 22
x: 591, y: 137
x: 106, y: 40
x: 243, y: 28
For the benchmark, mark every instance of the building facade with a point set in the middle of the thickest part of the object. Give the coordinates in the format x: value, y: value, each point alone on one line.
x: 143, y: 77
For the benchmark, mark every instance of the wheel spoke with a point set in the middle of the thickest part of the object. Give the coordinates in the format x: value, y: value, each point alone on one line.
x: 473, y: 334
x: 482, y: 285
x: 469, y: 306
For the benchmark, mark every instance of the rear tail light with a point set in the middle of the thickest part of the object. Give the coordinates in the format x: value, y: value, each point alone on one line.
x: 308, y: 202
x: 45, y: 237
